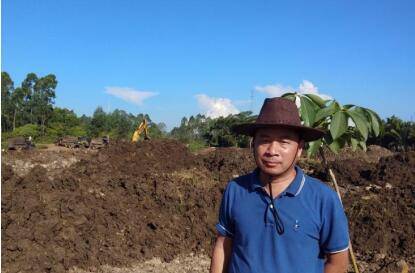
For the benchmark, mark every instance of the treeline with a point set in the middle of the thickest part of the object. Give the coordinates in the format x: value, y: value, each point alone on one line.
x: 30, y: 103
x: 395, y: 134
x: 28, y: 110
x: 204, y: 131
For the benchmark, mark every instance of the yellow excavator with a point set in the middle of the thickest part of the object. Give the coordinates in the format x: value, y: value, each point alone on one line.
x: 143, y: 127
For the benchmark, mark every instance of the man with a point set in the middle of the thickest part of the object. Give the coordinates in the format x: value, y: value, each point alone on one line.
x: 277, y: 219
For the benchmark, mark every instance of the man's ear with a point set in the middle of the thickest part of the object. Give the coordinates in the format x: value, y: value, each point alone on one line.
x: 300, y: 149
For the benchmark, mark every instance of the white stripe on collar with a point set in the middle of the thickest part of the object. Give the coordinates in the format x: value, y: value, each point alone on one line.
x: 301, y: 185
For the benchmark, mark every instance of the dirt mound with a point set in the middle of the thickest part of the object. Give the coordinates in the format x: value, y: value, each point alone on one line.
x: 124, y: 205
x: 373, y: 154
x: 131, y: 202
x: 54, y: 159
x: 227, y: 163
x: 353, y: 172
x: 382, y: 215
x: 147, y: 157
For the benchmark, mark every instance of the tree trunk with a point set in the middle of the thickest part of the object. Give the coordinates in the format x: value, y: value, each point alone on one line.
x: 43, y: 124
x: 14, y: 119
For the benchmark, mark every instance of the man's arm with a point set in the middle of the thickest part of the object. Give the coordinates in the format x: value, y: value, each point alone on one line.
x: 337, y: 262
x: 221, y: 255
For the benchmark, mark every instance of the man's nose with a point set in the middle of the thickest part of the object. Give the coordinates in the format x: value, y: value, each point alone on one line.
x: 273, y: 148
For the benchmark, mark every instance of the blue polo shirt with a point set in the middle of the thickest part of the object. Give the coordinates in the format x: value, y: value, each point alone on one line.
x: 312, y: 215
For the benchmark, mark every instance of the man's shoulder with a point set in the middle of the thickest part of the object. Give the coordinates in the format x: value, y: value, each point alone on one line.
x: 320, y: 188
x: 240, y: 183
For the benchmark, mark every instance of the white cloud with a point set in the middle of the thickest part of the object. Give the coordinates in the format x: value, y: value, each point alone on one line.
x: 216, y: 107
x: 276, y: 90
x: 307, y: 87
x: 129, y: 94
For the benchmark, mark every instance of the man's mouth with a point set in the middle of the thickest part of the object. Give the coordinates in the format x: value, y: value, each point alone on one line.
x: 271, y: 163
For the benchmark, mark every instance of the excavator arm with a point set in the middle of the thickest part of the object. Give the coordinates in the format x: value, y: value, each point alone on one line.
x: 143, y: 127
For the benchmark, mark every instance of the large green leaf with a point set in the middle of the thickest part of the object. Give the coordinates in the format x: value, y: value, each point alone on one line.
x: 363, y: 113
x: 354, y: 143
x: 316, y: 99
x: 362, y: 145
x: 374, y: 122
x: 348, y: 106
x: 361, y: 124
x: 313, y: 147
x: 307, y: 110
x: 338, y: 124
x: 335, y: 146
x: 394, y: 133
x: 326, y: 111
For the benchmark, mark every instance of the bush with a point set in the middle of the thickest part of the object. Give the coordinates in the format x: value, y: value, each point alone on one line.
x: 77, y: 131
x: 196, y: 145
x: 4, y: 137
x: 27, y: 130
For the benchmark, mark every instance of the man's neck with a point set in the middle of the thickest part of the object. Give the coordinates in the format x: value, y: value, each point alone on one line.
x: 278, y: 183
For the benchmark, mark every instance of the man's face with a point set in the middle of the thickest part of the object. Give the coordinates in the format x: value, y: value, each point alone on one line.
x: 275, y: 149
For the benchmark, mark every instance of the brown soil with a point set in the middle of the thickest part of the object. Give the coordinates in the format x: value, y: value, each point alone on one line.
x: 382, y: 213
x: 53, y: 158
x: 130, y: 203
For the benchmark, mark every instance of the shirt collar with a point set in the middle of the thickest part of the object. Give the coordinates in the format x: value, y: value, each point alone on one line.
x: 293, y: 189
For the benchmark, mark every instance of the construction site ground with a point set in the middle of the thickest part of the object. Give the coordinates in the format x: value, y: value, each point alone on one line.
x: 152, y: 206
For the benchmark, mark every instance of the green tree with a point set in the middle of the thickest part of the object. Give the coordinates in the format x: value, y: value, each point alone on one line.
x: 157, y: 130
x: 347, y: 125
x: 193, y: 129
x: 98, y: 123
x: 29, y: 100
x: 213, y: 132
x: 32, y: 102
x: 120, y: 124
x: 162, y: 127
x: 243, y: 117
x: 7, y: 88
x: 63, y: 122
x: 43, y: 99
x: 85, y: 121
x: 65, y: 116
x: 220, y: 130
x: 17, y: 104
x: 398, y: 135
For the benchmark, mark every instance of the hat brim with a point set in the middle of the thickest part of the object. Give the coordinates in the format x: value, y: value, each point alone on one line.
x: 307, y: 133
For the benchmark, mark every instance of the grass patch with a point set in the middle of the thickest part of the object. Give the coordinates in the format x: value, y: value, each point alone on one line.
x: 196, y: 145
x: 41, y: 146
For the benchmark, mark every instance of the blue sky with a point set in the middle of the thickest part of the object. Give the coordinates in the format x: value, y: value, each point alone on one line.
x: 178, y: 58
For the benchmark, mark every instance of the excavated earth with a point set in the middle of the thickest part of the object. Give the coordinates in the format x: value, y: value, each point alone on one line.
x: 152, y: 207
